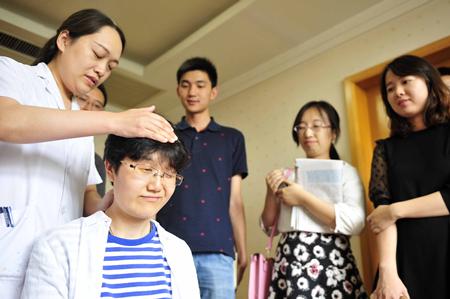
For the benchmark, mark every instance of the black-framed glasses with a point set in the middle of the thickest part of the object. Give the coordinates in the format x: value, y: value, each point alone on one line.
x: 315, y: 127
x: 146, y: 171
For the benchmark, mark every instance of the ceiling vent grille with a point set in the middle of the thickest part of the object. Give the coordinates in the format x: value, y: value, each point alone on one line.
x: 18, y: 45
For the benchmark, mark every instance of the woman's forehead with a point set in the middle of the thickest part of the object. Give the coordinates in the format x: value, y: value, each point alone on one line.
x: 316, y: 114
x: 156, y: 159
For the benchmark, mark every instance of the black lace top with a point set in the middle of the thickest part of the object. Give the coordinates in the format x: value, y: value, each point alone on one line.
x: 406, y: 168
x: 379, y: 185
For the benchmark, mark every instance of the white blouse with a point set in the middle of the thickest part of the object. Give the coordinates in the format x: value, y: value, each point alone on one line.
x: 350, y: 213
x: 43, y: 183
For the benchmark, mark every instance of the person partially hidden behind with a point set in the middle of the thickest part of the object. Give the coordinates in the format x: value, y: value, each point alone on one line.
x: 96, y: 100
x: 121, y: 252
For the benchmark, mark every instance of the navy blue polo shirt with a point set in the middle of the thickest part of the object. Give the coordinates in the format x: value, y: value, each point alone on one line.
x: 198, y: 211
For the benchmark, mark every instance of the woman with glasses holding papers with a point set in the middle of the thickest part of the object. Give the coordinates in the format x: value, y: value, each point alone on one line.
x: 316, y: 208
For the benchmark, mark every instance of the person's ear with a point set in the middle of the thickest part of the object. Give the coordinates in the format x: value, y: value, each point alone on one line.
x: 333, y: 137
x: 63, y: 40
x: 110, y: 172
x: 214, y: 93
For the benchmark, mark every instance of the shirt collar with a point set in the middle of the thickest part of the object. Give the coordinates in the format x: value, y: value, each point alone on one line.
x: 43, y: 71
x: 212, y: 125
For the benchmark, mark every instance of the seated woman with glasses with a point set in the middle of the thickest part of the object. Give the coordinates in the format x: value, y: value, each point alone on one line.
x: 315, y: 264
x: 121, y: 252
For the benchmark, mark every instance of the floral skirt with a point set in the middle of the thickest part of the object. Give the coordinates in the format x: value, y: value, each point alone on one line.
x: 315, y: 265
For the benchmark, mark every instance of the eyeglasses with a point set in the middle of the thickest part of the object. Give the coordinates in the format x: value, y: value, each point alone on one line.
x: 145, y: 171
x: 316, y: 127
x: 90, y: 104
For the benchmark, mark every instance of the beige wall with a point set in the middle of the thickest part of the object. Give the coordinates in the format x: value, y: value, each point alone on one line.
x: 265, y: 112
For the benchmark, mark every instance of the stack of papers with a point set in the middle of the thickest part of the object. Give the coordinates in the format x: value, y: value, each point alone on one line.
x: 324, y: 179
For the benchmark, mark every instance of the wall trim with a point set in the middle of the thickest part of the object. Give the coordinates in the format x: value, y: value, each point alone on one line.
x: 354, y: 26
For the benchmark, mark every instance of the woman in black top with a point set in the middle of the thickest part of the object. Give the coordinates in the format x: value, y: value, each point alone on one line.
x: 410, y: 183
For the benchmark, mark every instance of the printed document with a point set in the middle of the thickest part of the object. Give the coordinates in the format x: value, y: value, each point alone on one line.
x: 324, y: 179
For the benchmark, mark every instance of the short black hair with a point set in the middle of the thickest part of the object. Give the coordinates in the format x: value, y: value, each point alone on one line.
x: 444, y: 70
x: 118, y: 148
x: 198, y: 64
x: 102, y: 88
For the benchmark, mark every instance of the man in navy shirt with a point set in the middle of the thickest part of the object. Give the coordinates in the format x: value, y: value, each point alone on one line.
x: 207, y: 211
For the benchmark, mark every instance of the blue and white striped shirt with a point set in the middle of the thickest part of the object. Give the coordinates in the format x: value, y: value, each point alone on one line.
x: 136, y: 268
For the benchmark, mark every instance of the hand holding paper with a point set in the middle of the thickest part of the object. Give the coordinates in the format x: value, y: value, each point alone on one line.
x: 291, y: 195
x: 274, y: 179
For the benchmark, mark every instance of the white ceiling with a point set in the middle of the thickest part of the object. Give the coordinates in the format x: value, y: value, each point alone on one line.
x: 249, y: 40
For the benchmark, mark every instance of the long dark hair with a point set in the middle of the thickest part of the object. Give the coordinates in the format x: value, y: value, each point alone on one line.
x: 437, y: 109
x: 83, y: 22
x: 333, y: 117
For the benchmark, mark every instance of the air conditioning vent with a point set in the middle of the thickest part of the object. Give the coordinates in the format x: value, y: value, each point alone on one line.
x: 18, y: 45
